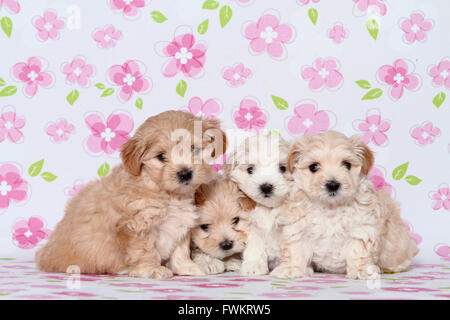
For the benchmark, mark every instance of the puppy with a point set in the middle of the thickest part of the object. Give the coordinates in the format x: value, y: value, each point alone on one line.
x: 259, y: 167
x: 137, y: 220
x: 222, y: 231
x: 335, y: 221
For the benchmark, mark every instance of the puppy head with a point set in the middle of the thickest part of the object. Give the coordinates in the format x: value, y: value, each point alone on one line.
x: 173, y: 150
x: 259, y: 167
x: 329, y: 166
x: 223, y: 219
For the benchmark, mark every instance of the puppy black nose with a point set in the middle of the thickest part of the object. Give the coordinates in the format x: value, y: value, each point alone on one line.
x: 226, y: 245
x: 332, y: 186
x: 266, y: 188
x: 184, y: 175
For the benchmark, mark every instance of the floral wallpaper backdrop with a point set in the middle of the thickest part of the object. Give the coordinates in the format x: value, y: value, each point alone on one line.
x: 77, y: 78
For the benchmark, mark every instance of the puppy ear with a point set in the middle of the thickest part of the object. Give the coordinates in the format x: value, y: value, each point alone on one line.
x: 293, y: 158
x: 199, y: 196
x: 363, y: 152
x: 131, y: 154
x: 245, y: 203
x: 215, y: 136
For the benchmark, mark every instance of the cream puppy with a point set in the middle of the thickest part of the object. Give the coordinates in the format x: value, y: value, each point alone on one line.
x: 335, y: 221
x: 259, y: 167
x: 222, y: 228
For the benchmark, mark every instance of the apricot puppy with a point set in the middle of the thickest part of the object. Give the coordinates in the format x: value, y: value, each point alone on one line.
x: 137, y: 220
x: 335, y: 221
x: 222, y: 231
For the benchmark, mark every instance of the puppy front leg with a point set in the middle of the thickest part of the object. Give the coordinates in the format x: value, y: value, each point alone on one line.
x: 295, y: 260
x: 233, y: 264
x: 360, y: 255
x: 254, y: 260
x: 180, y: 261
x: 208, y: 264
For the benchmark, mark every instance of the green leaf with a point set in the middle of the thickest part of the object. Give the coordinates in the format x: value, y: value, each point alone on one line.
x: 275, y: 131
x: 36, y: 168
x: 210, y: 5
x: 107, y: 92
x: 313, y: 15
x: 280, y: 103
x: 225, y: 15
x: 100, y: 86
x: 413, y: 180
x: 203, y: 27
x: 7, y: 26
x: 372, y: 94
x: 139, y: 103
x: 373, y: 27
x: 158, y: 16
x: 439, y: 99
x: 2, y: 82
x: 72, y: 96
x: 103, y: 170
x: 363, y: 84
x: 181, y: 88
x: 48, y: 176
x: 8, y: 91
x: 400, y: 171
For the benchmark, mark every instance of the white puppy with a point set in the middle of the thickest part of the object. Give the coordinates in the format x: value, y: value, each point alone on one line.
x: 259, y: 167
x: 335, y: 220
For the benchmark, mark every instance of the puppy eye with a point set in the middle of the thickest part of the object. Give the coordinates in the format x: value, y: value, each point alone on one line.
x: 347, y: 164
x: 235, y: 220
x: 162, y: 157
x: 250, y: 170
x: 314, y: 167
x: 204, y: 227
x: 283, y: 169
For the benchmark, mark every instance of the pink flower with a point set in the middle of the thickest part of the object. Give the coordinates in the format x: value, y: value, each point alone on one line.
x: 48, y: 26
x: 398, y: 78
x: 425, y: 133
x: 377, y: 177
x: 308, y: 119
x: 208, y: 109
x: 74, y: 189
x: 443, y: 251
x: 249, y: 116
x: 108, y: 137
x: 285, y: 295
x: 129, y: 77
x: 305, y: 2
x: 218, y: 164
x: 12, y: 186
x: 409, y: 289
x: 75, y: 294
x: 107, y: 37
x: 185, y: 55
x: 441, y: 197
x: 13, y: 6
x: 78, y: 71
x: 10, y: 126
x: 375, y: 6
x: 60, y: 130
x: 268, y: 34
x: 129, y: 8
x: 324, y: 73
x: 216, y: 285
x: 415, y: 236
x: 416, y: 27
x: 236, y: 75
x: 374, y: 129
x: 31, y: 72
x: 337, y: 33
x: 28, y: 233
x: 441, y: 73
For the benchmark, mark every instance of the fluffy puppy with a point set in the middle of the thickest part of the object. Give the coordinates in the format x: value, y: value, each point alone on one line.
x: 259, y: 167
x: 335, y: 221
x: 137, y: 219
x: 221, y: 234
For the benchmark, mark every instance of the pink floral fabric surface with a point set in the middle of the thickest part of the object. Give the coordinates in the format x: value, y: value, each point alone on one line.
x: 19, y: 279
x: 77, y: 79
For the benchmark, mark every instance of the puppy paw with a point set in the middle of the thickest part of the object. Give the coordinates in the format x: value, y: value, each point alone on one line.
x: 254, y: 268
x: 233, y: 265
x: 189, y: 269
x: 368, y: 272
x: 159, y: 272
x: 213, y: 267
x: 289, y: 272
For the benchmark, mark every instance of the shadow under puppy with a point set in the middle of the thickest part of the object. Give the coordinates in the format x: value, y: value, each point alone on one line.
x: 335, y: 220
x: 137, y: 219
x: 259, y: 167
x: 222, y: 231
